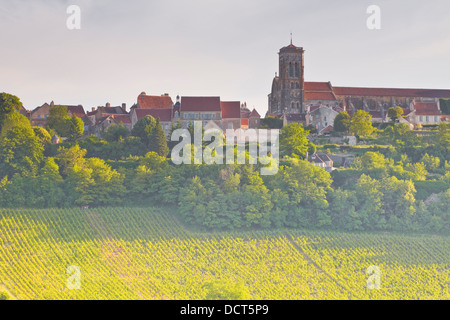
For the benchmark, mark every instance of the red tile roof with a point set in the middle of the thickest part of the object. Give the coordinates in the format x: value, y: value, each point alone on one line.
x: 317, y: 86
x: 392, y: 92
x: 154, y: 102
x: 124, y: 118
x: 77, y: 111
x: 254, y: 114
x: 327, y: 129
x: 406, y: 111
x: 244, y: 122
x: 111, y: 110
x: 427, y: 109
x: 200, y: 104
x: 325, y: 96
x: 162, y: 114
x: 375, y: 114
x: 231, y: 110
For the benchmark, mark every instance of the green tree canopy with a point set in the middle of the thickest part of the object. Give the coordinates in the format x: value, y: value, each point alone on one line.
x: 144, y: 128
x: 395, y: 113
x: 342, y: 122
x: 116, y: 132
x: 158, y: 140
x: 75, y: 128
x: 8, y: 104
x: 293, y: 140
x: 271, y: 122
x: 361, y: 124
x: 20, y: 151
x: 57, y: 120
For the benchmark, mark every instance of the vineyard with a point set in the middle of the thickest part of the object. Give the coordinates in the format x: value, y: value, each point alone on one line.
x: 145, y: 253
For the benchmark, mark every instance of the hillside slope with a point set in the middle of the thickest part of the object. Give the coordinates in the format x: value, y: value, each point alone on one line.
x: 144, y: 253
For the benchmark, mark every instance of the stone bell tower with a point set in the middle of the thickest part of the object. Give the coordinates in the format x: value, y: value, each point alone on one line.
x: 288, y: 93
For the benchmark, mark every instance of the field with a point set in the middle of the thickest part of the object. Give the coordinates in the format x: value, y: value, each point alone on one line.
x: 145, y: 253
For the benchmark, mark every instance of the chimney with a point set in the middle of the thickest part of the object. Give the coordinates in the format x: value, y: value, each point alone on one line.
x: 124, y: 107
x: 93, y: 109
x: 108, y: 104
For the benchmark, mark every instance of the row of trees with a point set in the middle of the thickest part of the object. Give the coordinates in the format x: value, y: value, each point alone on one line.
x: 360, y: 124
x: 377, y: 193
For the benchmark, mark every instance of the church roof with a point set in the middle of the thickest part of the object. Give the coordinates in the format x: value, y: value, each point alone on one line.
x: 311, y: 95
x: 392, y: 92
x: 317, y: 86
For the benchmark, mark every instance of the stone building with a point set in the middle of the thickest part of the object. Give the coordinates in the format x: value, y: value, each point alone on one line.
x: 288, y: 92
x: 292, y: 96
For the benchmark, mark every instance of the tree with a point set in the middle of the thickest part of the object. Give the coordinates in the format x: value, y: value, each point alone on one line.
x: 43, y: 135
x: 115, y: 132
x: 57, y: 120
x: 342, y: 122
x: 293, y: 140
x: 14, y: 119
x: 143, y: 129
x: 395, y: 113
x: 20, y: 151
x: 158, y: 141
x: 75, y: 128
x: 69, y: 158
x: 271, y: 122
x: 8, y: 104
x: 361, y: 124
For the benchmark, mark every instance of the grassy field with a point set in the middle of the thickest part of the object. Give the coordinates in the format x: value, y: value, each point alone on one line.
x: 145, y: 253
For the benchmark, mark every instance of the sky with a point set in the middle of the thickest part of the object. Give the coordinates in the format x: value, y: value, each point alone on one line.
x: 223, y: 48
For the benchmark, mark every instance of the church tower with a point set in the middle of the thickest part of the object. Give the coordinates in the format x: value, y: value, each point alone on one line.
x: 288, y: 93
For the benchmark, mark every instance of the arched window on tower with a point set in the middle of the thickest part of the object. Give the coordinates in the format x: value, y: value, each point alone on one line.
x: 297, y: 70
x: 292, y: 105
x: 291, y: 70
x: 292, y: 85
x: 297, y: 85
x: 298, y: 105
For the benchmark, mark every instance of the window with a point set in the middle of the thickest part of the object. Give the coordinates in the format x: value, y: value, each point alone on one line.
x: 297, y: 70
x: 292, y: 85
x: 436, y: 119
x: 291, y: 70
x: 213, y: 116
x: 166, y: 126
x: 196, y: 116
x: 176, y: 114
x: 185, y: 116
x: 297, y: 85
x: 325, y: 118
x: 298, y: 105
x: 427, y: 119
x: 230, y: 125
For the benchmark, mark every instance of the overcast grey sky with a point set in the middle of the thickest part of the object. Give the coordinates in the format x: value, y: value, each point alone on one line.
x: 224, y: 48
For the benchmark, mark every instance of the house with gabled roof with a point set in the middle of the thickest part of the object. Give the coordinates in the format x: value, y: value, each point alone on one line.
x: 322, y: 160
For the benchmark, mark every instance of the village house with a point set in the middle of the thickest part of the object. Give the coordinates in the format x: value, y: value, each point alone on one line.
x: 321, y: 160
x: 38, y: 116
